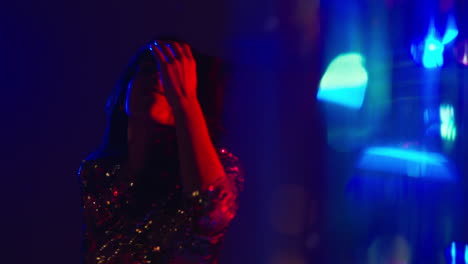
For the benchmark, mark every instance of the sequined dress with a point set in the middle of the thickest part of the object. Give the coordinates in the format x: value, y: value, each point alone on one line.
x: 140, y: 219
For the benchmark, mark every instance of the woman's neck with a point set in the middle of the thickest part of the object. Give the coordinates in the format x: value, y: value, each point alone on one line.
x: 144, y: 145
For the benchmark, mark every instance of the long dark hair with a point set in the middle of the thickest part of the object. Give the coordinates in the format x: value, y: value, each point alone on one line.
x: 211, y: 81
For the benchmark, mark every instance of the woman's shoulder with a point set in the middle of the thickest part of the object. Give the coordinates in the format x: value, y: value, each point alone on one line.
x: 99, y: 160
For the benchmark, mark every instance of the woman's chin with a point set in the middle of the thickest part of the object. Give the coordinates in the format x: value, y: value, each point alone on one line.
x: 158, y: 121
x: 153, y: 119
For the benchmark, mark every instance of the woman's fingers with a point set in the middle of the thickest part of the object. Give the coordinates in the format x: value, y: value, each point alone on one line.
x: 170, y: 51
x: 182, y: 50
x: 187, y: 51
x: 167, y: 51
x: 157, y: 53
x: 178, y: 52
x: 176, y: 67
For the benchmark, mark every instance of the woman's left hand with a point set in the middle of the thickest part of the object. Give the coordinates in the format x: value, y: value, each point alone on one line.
x: 178, y: 72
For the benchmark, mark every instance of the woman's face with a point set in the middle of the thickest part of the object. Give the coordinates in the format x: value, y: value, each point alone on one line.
x: 145, y: 96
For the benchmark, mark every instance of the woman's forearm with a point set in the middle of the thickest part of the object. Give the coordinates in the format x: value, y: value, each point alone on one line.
x: 199, y: 163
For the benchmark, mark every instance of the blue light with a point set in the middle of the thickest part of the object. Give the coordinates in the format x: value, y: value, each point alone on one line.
x: 345, y: 81
x: 451, y: 31
x: 453, y: 252
x: 406, y: 162
x: 466, y: 254
x: 448, y: 128
x: 408, y: 155
x: 430, y: 51
x: 433, y: 49
x: 433, y: 53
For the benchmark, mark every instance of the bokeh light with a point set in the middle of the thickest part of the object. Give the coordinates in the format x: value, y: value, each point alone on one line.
x: 453, y: 251
x: 451, y: 31
x: 448, y: 128
x: 412, y: 163
x: 345, y: 81
x: 461, y: 52
x: 430, y: 52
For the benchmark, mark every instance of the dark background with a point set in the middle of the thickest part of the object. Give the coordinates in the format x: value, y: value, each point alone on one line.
x: 60, y: 60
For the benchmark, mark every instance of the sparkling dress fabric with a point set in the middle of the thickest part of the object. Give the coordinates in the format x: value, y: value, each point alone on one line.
x: 147, y: 218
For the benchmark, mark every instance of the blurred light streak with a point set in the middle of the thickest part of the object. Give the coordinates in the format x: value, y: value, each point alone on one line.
x: 431, y: 116
x: 433, y: 50
x: 453, y: 252
x: 345, y: 81
x: 448, y: 128
x: 379, y: 65
x: 412, y: 163
x: 430, y: 52
x: 451, y: 31
x: 466, y: 254
x: 461, y: 52
x: 433, y: 53
x: 408, y: 155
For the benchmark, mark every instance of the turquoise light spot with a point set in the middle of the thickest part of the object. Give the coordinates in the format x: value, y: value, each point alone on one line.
x: 433, y: 53
x: 448, y: 128
x: 406, y: 162
x: 408, y: 155
x: 466, y: 254
x: 345, y: 81
x: 453, y: 251
x: 451, y: 31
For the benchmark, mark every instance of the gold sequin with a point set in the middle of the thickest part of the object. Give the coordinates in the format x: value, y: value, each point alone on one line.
x: 141, y: 237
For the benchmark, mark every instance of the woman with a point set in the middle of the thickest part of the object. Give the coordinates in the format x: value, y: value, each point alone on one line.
x: 158, y: 190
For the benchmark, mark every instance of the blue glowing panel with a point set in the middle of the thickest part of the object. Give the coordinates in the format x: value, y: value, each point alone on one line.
x: 406, y: 162
x: 345, y: 81
x: 451, y: 31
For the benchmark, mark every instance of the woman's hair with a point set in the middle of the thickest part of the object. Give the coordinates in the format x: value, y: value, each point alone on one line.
x: 210, y: 74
